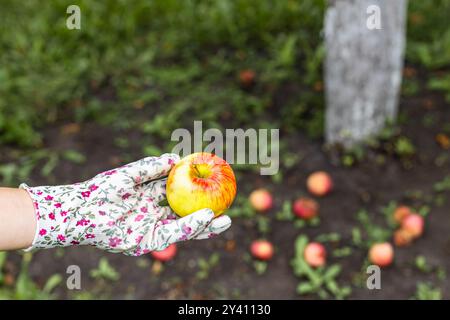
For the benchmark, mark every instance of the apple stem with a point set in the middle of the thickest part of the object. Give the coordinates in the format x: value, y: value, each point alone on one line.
x: 196, y: 170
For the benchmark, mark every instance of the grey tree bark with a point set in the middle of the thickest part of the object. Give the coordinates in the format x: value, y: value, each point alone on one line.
x: 363, y: 66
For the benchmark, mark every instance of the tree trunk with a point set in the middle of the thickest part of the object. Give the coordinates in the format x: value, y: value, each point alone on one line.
x: 363, y: 66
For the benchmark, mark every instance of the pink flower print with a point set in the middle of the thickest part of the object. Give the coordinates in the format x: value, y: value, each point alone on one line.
x: 86, y: 194
x: 212, y: 235
x: 93, y: 225
x: 110, y: 223
x: 48, y: 198
x: 126, y: 196
x: 39, y: 193
x: 102, y: 213
x: 83, y: 222
x: 145, y: 251
x: 42, y: 232
x: 182, y: 238
x: 186, y: 230
x: 90, y: 236
x: 58, y: 205
x: 61, y: 238
x: 73, y: 242
x: 144, y: 210
x: 65, y: 219
x: 114, y: 242
x: 139, y: 239
x: 139, y: 218
x: 100, y: 203
x: 137, y: 180
x: 129, y: 231
x: 170, y: 161
x: 63, y: 213
x: 52, y: 216
x: 165, y: 221
x: 111, y: 172
x: 93, y: 187
x: 36, y: 205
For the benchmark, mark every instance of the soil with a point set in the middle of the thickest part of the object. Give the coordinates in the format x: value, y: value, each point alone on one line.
x: 366, y: 185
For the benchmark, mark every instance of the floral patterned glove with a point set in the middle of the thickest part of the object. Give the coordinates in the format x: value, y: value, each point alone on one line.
x: 118, y: 211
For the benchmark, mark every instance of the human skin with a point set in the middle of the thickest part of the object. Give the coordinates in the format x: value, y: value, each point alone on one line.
x: 17, y: 219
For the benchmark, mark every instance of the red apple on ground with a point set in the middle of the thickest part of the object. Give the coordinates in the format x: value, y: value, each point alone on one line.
x: 247, y: 77
x: 201, y: 180
x: 166, y: 254
x: 305, y: 208
x: 261, y: 200
x: 381, y: 254
x: 315, y: 254
x: 319, y: 183
x: 262, y: 250
x: 402, y: 237
x: 401, y: 212
x: 413, y: 223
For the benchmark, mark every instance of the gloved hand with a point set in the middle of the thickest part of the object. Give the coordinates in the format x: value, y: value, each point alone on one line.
x: 118, y: 211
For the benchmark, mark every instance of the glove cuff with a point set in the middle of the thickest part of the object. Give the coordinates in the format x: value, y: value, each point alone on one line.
x: 52, y: 218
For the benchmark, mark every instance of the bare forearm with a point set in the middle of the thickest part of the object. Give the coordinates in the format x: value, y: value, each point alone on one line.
x: 17, y: 219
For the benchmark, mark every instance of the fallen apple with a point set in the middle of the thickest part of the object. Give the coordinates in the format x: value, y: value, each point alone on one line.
x: 402, y: 237
x: 401, y: 212
x: 319, y: 183
x: 262, y: 250
x: 261, y: 200
x: 166, y: 254
x: 315, y: 254
x: 381, y: 254
x: 413, y: 223
x: 305, y: 208
x: 201, y: 180
x: 247, y: 77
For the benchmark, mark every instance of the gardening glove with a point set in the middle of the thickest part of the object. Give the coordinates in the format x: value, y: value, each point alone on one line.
x: 118, y: 211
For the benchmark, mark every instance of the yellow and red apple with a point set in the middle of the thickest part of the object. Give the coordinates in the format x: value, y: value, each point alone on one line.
x: 201, y: 180
x: 381, y: 254
x: 261, y: 200
x: 305, y: 208
x: 319, y: 183
x: 315, y: 254
x: 262, y: 250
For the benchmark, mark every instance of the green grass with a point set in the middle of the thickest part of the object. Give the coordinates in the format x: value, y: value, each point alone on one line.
x: 169, y: 57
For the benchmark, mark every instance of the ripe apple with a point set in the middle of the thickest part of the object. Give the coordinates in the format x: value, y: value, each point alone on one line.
x: 319, y: 183
x: 315, y: 254
x: 305, y: 208
x: 381, y: 254
x: 261, y: 200
x: 413, y: 223
x: 402, y: 237
x: 247, y: 77
x: 201, y: 180
x: 401, y: 212
x: 166, y: 254
x: 262, y: 250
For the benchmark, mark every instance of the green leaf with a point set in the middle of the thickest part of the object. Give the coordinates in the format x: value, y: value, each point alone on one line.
x: 74, y: 156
